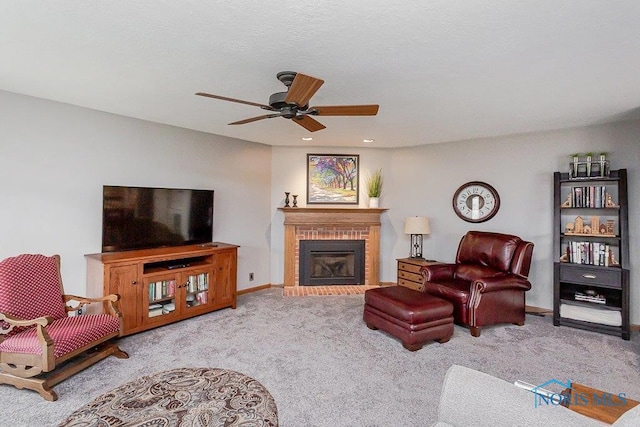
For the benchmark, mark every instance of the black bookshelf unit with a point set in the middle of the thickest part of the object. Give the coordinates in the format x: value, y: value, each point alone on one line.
x: 591, y: 253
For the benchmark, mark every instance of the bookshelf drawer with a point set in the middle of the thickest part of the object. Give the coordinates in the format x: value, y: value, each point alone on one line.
x: 611, y: 277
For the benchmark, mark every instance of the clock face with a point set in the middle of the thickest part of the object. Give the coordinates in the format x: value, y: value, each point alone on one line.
x: 476, y: 201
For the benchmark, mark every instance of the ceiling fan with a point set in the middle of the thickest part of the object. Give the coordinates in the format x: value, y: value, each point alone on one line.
x: 294, y: 103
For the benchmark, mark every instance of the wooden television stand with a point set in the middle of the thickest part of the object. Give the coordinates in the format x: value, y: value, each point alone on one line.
x: 164, y: 285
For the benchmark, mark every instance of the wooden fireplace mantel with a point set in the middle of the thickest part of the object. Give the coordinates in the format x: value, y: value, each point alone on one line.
x: 331, y: 216
x: 295, y: 218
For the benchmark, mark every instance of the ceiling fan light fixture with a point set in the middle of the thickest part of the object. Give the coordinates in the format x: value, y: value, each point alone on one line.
x: 307, y: 138
x: 368, y: 140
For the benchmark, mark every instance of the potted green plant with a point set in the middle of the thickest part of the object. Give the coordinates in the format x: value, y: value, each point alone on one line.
x: 374, y: 188
x: 603, y: 163
x: 589, y: 158
x: 574, y: 165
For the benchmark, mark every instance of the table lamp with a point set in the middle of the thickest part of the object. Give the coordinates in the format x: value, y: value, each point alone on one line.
x: 416, y: 226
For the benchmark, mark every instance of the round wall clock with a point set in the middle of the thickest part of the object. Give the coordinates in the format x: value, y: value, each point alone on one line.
x: 476, y: 201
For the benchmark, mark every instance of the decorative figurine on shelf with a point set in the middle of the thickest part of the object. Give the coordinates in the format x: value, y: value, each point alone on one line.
x: 295, y: 200
x: 609, y: 201
x: 610, y: 227
x: 591, y: 227
x: 567, y: 203
x: 579, y: 225
x: 286, y: 199
x: 612, y: 259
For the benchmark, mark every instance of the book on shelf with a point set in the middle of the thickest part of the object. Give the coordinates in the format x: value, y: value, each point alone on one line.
x: 591, y: 196
x: 155, y: 312
x: 597, y: 298
x: 589, y: 253
x: 202, y: 297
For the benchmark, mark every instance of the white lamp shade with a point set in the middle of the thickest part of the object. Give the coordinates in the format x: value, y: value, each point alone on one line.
x: 417, y: 225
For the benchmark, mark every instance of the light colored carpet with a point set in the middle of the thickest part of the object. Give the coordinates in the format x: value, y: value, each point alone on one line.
x: 324, y: 367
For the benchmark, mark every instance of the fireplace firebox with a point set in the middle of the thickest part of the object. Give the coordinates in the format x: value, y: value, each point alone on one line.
x: 332, y: 262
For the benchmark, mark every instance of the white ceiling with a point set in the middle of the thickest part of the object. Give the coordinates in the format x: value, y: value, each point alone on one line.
x: 441, y: 70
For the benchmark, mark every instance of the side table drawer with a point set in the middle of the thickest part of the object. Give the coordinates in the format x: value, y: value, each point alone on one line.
x: 409, y: 284
x: 414, y: 277
x: 611, y: 276
x: 405, y: 266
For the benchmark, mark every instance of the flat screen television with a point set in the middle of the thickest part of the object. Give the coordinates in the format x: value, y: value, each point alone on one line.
x: 144, y: 217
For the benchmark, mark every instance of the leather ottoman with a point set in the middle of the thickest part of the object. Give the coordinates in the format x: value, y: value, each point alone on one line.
x: 409, y: 315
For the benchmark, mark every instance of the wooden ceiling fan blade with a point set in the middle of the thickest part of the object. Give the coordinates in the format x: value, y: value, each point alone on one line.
x: 346, y: 110
x: 310, y: 124
x: 302, y: 89
x: 239, y: 101
x: 255, y: 119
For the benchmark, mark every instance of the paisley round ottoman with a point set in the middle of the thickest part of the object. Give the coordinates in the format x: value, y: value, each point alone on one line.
x: 182, y: 397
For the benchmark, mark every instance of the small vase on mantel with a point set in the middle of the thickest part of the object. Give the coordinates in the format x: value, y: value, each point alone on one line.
x: 374, y: 202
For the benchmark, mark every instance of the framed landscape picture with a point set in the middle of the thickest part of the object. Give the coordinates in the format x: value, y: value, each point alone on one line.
x: 333, y: 179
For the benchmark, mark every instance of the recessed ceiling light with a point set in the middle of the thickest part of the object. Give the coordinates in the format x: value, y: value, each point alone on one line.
x: 368, y: 140
x: 307, y: 138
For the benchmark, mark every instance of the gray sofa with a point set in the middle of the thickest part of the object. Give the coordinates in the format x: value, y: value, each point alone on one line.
x: 473, y: 398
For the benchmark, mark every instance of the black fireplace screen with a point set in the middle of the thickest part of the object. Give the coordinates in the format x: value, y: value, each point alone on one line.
x: 332, y: 262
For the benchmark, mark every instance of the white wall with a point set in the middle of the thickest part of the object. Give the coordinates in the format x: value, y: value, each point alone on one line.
x: 422, y: 180
x: 55, y: 158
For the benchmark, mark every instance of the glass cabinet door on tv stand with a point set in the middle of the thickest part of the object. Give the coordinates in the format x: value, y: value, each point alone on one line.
x: 161, y: 297
x: 175, y: 294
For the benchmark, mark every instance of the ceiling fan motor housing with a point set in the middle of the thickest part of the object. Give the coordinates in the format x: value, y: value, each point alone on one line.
x: 286, y: 77
x: 288, y: 111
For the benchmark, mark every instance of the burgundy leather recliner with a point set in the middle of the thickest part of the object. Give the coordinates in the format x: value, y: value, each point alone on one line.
x: 487, y: 282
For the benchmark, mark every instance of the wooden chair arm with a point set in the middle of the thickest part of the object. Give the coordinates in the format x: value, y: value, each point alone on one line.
x: 13, y: 322
x: 82, y: 301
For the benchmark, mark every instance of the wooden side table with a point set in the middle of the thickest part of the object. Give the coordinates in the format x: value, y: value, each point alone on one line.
x: 608, y: 408
x: 409, y: 272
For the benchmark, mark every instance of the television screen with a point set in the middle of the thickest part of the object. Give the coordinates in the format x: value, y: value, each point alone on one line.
x: 140, y: 217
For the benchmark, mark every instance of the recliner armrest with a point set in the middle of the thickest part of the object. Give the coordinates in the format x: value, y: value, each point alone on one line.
x: 501, y: 282
x: 436, y: 272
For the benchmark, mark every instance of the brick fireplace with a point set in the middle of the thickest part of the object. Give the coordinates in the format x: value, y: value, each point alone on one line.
x: 331, y: 224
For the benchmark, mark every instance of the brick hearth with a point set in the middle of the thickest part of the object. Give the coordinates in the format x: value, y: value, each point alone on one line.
x: 331, y: 224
